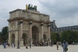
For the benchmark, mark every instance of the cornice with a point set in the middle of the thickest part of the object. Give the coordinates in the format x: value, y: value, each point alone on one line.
x: 24, y: 19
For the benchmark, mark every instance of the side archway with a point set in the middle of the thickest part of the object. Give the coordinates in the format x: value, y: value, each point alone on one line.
x: 44, y: 37
x: 24, y: 37
x: 12, y: 38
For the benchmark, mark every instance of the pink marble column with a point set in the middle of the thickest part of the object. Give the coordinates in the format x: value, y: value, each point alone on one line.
x: 9, y: 38
x: 42, y: 31
x: 48, y: 31
x: 49, y: 40
x: 30, y: 32
x: 21, y: 31
x: 20, y: 23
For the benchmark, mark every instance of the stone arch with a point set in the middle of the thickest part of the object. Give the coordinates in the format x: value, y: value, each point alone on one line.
x: 24, y: 37
x: 44, y: 37
x: 35, y: 34
x: 12, y: 38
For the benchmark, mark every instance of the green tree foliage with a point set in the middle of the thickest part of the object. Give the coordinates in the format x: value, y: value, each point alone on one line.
x: 0, y: 34
x: 4, y: 33
x: 0, y: 37
x: 70, y: 36
x: 55, y: 37
x: 64, y: 35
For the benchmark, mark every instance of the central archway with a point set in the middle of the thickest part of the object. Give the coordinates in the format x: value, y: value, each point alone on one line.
x: 35, y: 34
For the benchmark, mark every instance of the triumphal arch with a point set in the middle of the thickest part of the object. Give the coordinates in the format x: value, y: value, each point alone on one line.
x: 28, y: 25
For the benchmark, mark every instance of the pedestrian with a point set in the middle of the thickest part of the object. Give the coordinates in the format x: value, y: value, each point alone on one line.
x: 57, y: 44
x: 30, y: 45
x: 51, y: 43
x: 4, y: 44
x: 8, y: 45
x: 12, y: 45
x: 26, y: 46
x: 65, y: 46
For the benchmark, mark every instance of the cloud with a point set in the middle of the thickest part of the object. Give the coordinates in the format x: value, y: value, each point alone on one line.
x: 3, y: 23
x: 62, y: 10
x: 61, y: 7
x: 65, y: 12
x: 10, y: 5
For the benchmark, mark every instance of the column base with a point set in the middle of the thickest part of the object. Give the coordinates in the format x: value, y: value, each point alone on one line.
x: 21, y: 42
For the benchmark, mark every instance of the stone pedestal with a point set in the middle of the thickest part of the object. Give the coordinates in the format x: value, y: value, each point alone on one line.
x: 21, y: 42
x: 30, y: 41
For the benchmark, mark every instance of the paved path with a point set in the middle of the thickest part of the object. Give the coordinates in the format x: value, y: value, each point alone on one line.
x: 71, y: 48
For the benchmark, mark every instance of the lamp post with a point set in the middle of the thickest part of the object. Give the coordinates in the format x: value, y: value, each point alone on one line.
x: 20, y: 22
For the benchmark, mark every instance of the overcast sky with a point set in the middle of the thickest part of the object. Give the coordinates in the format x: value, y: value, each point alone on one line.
x: 64, y: 12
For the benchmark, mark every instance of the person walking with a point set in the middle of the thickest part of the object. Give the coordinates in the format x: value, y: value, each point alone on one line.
x: 65, y: 46
x: 30, y: 44
x: 57, y: 44
x: 26, y: 46
x: 8, y: 45
x: 12, y: 45
x: 4, y: 45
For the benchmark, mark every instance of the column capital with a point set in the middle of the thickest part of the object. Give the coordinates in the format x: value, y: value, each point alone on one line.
x: 20, y: 22
x: 30, y: 22
x: 48, y: 25
x: 41, y: 24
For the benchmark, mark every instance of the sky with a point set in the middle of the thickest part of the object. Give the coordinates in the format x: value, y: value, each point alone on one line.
x: 64, y: 12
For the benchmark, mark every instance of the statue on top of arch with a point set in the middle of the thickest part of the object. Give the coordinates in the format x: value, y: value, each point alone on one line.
x: 31, y: 7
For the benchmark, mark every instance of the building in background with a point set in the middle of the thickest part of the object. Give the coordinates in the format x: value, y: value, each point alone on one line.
x: 54, y: 28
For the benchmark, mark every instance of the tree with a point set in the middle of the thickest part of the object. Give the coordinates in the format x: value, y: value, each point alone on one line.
x: 64, y: 35
x: 70, y: 36
x: 55, y: 37
x: 73, y: 36
x: 0, y: 37
x: 4, y: 33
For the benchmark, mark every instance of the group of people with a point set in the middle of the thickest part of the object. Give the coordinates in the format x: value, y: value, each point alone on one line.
x: 5, y: 45
x: 41, y: 43
x: 64, y: 45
